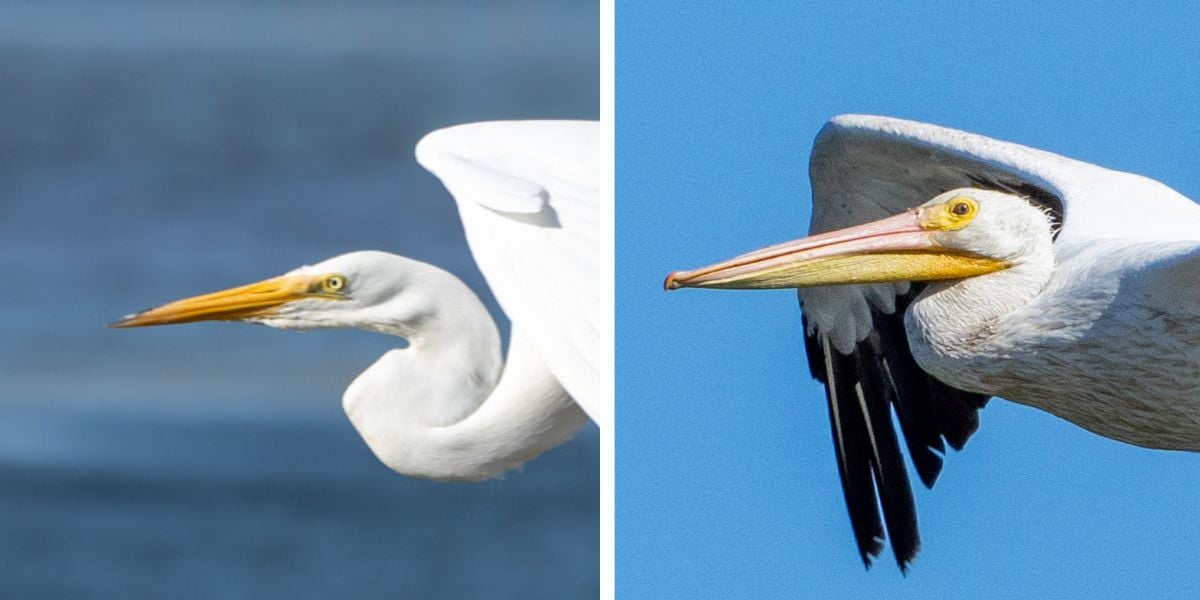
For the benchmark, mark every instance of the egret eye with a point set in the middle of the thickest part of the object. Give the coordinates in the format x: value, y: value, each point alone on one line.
x: 335, y: 283
x: 960, y: 208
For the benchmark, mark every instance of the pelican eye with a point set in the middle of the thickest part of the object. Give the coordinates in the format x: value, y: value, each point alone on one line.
x: 334, y: 283
x: 961, y: 208
x: 954, y: 214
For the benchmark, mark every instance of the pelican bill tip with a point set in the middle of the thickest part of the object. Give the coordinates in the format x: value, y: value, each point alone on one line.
x: 672, y: 282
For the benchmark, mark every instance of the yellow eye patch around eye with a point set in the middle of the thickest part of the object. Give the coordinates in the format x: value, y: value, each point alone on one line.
x: 954, y: 214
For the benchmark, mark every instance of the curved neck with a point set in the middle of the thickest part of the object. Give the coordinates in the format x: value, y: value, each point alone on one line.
x: 444, y: 407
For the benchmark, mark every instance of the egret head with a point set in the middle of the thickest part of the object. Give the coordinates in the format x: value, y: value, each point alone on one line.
x: 361, y: 289
x: 958, y: 234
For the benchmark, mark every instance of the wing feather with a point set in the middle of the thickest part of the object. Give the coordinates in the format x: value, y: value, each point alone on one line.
x: 853, y: 453
x: 865, y: 168
x: 530, y: 197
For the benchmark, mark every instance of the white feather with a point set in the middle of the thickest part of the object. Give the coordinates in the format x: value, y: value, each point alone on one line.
x: 867, y: 167
x: 531, y: 201
x: 1103, y: 331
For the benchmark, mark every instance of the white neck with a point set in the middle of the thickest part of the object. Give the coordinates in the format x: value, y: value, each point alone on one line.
x: 953, y: 320
x: 445, y: 407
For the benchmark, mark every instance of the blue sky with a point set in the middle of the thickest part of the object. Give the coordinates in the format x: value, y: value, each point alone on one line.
x: 726, y: 480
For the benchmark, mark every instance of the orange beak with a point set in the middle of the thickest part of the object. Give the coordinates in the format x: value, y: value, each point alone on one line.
x: 255, y: 300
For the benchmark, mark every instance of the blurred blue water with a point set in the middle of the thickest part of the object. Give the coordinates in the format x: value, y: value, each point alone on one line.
x: 153, y: 150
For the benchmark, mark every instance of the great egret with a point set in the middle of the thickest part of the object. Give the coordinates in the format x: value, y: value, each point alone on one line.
x: 447, y: 407
x: 984, y: 268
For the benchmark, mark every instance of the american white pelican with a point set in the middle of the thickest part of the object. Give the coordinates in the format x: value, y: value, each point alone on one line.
x: 984, y: 268
x: 446, y: 406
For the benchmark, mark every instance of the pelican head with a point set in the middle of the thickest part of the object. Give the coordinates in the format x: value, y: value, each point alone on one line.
x: 368, y: 289
x: 958, y: 234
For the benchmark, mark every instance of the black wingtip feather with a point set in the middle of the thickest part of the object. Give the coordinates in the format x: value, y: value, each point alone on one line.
x: 853, y: 457
x: 904, y: 384
x: 870, y: 463
x: 957, y: 412
x: 891, y: 475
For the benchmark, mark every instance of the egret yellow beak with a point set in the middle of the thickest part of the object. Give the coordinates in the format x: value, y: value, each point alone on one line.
x: 898, y: 248
x: 255, y: 300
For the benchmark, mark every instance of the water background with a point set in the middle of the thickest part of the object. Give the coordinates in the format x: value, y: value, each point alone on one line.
x: 153, y: 150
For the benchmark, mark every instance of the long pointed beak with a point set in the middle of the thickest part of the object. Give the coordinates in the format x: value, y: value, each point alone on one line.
x: 248, y: 301
x: 896, y: 248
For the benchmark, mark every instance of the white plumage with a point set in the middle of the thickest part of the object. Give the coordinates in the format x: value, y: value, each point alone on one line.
x: 447, y: 406
x: 543, y: 242
x: 985, y: 268
x: 867, y: 167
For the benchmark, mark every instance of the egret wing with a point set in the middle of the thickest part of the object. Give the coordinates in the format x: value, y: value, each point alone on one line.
x: 539, y: 224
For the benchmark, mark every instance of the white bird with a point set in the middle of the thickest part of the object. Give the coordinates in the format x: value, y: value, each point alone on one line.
x: 985, y: 268
x: 446, y: 406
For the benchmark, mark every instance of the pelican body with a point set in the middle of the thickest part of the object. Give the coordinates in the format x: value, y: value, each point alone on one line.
x: 945, y: 268
x: 446, y: 406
